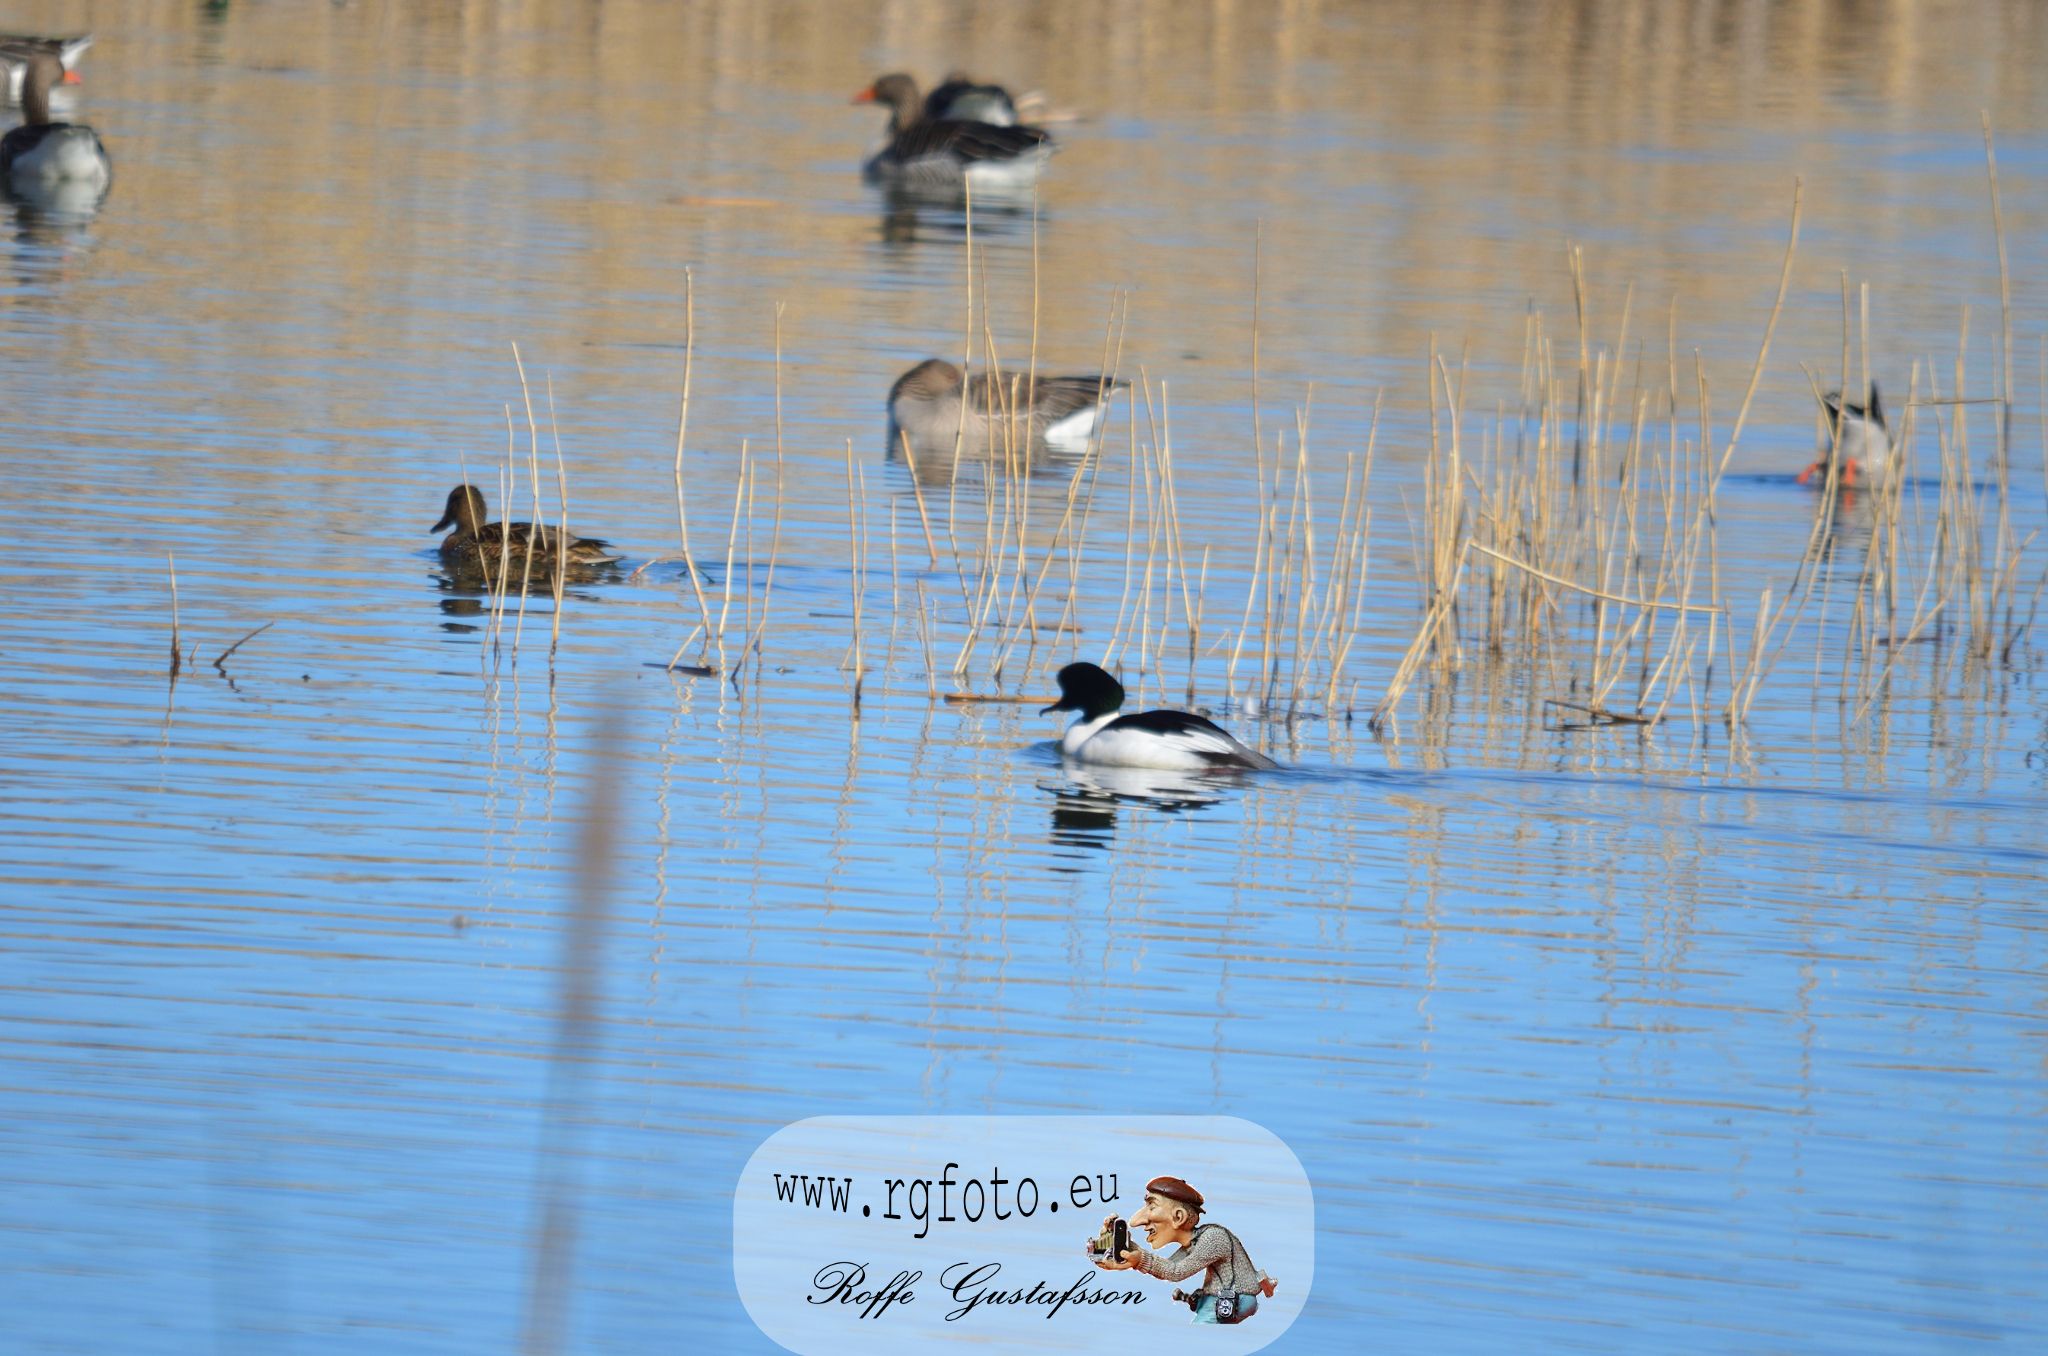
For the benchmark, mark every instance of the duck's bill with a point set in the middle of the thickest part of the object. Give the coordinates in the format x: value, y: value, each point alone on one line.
x: 447, y: 521
x: 1048, y: 710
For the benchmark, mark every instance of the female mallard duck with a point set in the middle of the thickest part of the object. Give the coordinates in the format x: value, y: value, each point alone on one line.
x: 945, y: 153
x: 45, y: 154
x: 476, y: 544
x: 18, y: 49
x: 933, y: 402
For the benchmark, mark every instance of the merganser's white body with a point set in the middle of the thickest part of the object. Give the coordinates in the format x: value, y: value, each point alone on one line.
x: 1170, y: 741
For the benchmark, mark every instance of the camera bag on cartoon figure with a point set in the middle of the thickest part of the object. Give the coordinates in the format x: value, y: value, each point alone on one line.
x: 1236, y: 1306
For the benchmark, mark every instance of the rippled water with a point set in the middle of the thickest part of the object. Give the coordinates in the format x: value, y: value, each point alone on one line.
x: 1614, y: 1040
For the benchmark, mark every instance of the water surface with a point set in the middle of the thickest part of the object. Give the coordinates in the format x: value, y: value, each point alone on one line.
x: 1617, y: 1040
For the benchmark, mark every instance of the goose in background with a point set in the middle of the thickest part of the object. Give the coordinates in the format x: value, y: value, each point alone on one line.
x: 945, y: 153
x: 18, y: 49
x: 933, y: 402
x: 45, y: 156
x: 959, y: 98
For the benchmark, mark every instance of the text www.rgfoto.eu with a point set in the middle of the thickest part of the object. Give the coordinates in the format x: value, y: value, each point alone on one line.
x: 995, y: 1197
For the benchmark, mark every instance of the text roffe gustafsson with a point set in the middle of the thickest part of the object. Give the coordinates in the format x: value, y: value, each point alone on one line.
x: 972, y: 1285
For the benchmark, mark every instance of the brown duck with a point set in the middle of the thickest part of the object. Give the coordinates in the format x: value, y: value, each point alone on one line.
x: 476, y: 544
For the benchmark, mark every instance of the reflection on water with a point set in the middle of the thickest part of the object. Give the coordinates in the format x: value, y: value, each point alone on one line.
x: 1087, y: 800
x: 1698, y: 1035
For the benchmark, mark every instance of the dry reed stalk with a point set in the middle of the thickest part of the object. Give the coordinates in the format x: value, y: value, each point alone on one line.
x: 750, y: 477
x: 1575, y: 262
x: 176, y: 663
x: 220, y: 660
x: 501, y: 586
x: 1142, y: 625
x: 1278, y: 577
x: 1261, y: 550
x: 994, y: 559
x: 1092, y: 456
x: 861, y: 580
x: 924, y: 636
x: 1425, y: 637
x: 1335, y: 573
x: 1018, y: 470
x: 1746, y: 682
x: 732, y: 532
x: 1130, y: 537
x: 1303, y: 598
x: 1031, y: 358
x: 533, y: 484
x: 967, y: 374
x: 561, y: 523
x: 1258, y: 294
x: 1444, y: 519
x: 857, y: 566
x: 1260, y: 565
x: 759, y: 630
x: 917, y: 490
x: 2004, y: 276
x: 1771, y: 328
x: 1177, y: 555
x: 682, y: 428
x: 895, y: 595
x: 1045, y: 566
x: 1587, y: 589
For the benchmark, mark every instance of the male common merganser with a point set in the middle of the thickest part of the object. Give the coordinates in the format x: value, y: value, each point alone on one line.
x: 1859, y: 438
x: 17, y: 50
x: 477, y: 545
x: 927, y: 403
x: 959, y: 99
x: 945, y: 153
x: 1172, y: 740
x: 44, y: 154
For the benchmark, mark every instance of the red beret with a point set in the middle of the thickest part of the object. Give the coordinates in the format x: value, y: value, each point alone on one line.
x: 1173, y: 1189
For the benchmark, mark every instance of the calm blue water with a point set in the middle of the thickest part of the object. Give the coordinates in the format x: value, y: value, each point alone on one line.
x: 1613, y: 1040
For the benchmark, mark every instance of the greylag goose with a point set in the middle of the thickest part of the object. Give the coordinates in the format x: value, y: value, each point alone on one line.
x: 933, y: 401
x: 959, y: 99
x: 1858, y: 438
x: 41, y: 154
x: 1170, y: 740
x: 478, y: 545
x: 18, y: 49
x: 945, y: 153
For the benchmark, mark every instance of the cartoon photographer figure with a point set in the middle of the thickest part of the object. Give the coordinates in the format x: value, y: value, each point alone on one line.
x: 1231, y: 1285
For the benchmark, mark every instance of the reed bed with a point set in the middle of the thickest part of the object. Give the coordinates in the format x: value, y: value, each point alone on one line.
x: 1565, y: 534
